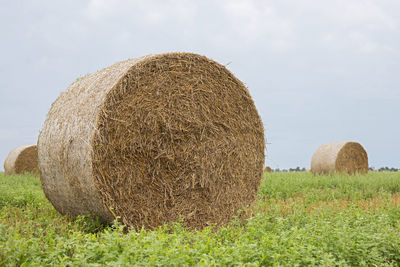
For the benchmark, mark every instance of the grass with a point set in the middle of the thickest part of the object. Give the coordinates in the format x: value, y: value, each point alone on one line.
x: 298, y: 220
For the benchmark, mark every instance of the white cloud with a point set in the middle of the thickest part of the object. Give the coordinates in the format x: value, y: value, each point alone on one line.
x: 256, y: 21
x: 244, y: 23
x: 150, y: 12
x: 98, y: 9
x: 368, y: 14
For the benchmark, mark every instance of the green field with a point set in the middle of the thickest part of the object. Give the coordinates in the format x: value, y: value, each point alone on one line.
x: 298, y: 219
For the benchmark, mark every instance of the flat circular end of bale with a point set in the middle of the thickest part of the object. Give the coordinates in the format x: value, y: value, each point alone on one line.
x: 22, y: 159
x: 152, y: 139
x: 340, y: 157
x: 352, y: 159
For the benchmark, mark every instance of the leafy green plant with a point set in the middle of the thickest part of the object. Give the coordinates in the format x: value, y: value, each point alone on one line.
x: 299, y: 219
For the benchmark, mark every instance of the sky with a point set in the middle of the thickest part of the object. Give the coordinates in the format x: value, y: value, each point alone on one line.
x: 318, y: 71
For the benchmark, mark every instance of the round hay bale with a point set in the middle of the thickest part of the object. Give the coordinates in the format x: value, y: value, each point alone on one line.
x: 341, y: 157
x: 22, y: 159
x: 151, y: 139
x: 267, y: 169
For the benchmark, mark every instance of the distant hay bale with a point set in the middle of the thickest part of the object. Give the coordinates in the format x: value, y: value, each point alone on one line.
x: 267, y: 169
x: 22, y: 159
x: 151, y: 139
x: 341, y: 157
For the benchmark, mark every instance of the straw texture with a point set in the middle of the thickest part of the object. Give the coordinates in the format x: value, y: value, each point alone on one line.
x: 341, y: 157
x: 152, y: 139
x: 22, y: 159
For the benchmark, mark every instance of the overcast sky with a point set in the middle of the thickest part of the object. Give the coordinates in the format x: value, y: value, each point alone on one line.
x: 319, y: 71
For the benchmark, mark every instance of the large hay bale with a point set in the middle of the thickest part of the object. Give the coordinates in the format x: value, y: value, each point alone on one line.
x: 153, y: 138
x: 22, y: 159
x: 341, y: 157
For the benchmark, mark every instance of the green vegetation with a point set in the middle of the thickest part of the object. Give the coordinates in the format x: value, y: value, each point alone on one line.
x: 298, y: 219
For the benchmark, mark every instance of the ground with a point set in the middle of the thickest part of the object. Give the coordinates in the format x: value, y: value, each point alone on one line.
x: 298, y: 219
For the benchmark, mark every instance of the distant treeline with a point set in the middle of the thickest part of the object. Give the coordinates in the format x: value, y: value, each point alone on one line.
x: 299, y: 169
x: 385, y: 169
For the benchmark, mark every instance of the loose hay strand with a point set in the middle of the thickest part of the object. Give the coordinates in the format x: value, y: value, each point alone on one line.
x: 154, y: 138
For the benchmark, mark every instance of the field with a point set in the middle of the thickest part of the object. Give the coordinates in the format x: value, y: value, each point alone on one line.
x: 298, y: 219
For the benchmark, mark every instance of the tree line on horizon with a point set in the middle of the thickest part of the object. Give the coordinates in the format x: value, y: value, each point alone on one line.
x: 299, y: 169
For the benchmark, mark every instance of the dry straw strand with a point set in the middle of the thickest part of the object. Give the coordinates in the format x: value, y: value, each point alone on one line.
x: 340, y: 157
x: 22, y: 159
x: 152, y: 139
